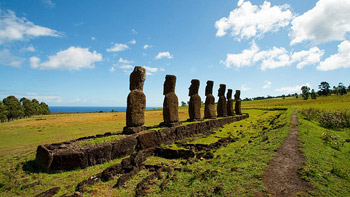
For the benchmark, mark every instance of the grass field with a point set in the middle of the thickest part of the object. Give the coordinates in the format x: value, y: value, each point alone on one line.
x: 236, y: 169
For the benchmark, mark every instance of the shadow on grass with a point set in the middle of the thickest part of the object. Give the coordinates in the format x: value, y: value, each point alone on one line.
x: 32, y: 166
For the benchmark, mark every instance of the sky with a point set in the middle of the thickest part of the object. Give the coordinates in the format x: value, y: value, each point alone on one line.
x: 81, y: 53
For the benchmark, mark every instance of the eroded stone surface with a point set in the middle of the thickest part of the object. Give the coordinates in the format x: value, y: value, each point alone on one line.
x: 194, y: 108
x: 71, y: 155
x: 209, y: 109
x: 221, y: 107
x: 171, y: 103
x: 238, y: 102
x: 136, y: 102
x: 230, y: 111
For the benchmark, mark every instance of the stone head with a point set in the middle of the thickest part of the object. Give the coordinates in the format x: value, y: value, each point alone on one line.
x: 169, y: 84
x: 137, y: 78
x: 229, y: 93
x: 237, y: 95
x: 221, y: 91
x: 209, y: 88
x: 194, y: 87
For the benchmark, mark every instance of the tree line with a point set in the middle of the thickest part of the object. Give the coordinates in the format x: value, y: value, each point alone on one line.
x: 324, y: 90
x: 12, y: 109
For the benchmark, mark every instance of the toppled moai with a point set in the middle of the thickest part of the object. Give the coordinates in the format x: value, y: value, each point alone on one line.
x: 230, y: 111
x: 238, y: 102
x: 136, y: 102
x: 221, y: 107
x: 209, y: 109
x: 194, y: 109
x: 171, y: 103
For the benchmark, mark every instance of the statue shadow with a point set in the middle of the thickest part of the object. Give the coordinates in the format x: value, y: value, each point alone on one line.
x: 33, y: 167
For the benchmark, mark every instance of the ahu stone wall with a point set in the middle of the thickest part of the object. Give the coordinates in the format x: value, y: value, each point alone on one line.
x: 71, y: 155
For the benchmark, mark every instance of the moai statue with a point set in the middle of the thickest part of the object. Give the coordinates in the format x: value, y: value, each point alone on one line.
x: 136, y: 103
x: 194, y: 108
x: 221, y: 107
x: 171, y: 103
x: 209, y: 109
x: 238, y: 102
x: 230, y: 111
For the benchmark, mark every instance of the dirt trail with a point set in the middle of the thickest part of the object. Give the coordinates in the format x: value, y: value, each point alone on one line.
x: 281, y: 177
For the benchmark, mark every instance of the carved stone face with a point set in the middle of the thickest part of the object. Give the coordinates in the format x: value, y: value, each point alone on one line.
x: 221, y: 91
x: 137, y: 78
x: 209, y: 88
x: 169, y: 84
x: 194, y: 87
x: 229, y: 94
x: 238, y: 94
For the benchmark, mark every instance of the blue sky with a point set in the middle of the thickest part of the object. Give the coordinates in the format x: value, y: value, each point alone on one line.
x: 80, y: 53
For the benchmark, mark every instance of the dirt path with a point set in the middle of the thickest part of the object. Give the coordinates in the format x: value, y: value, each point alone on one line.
x: 281, y: 177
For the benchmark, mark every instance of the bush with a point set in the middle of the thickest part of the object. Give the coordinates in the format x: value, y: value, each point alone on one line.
x: 328, y: 119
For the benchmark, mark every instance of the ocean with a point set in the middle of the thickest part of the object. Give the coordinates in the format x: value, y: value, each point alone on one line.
x: 87, y: 109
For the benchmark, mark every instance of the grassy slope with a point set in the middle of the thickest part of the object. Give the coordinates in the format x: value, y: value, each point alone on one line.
x: 20, y: 138
x: 327, y: 168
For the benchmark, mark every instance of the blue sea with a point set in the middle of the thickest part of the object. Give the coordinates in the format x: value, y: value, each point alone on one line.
x: 87, y: 109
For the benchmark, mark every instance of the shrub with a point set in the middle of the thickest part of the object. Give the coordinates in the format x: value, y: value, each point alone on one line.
x: 328, y: 119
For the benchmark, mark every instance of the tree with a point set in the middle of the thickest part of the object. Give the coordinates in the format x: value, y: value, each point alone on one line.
x: 341, y: 89
x: 183, y: 103
x: 28, y: 105
x: 283, y: 96
x: 335, y: 90
x: 3, y: 112
x: 44, y: 109
x: 305, y: 91
x: 14, y: 108
x: 313, y: 94
x: 36, y: 107
x: 349, y: 88
x: 324, y: 89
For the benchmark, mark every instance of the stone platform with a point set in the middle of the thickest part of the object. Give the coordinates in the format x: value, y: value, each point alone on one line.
x: 71, y: 155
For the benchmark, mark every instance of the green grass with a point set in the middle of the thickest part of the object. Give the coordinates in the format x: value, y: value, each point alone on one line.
x: 327, y: 167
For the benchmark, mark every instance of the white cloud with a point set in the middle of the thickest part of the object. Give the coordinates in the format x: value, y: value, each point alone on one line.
x: 312, y: 56
x: 291, y: 89
x: 112, y: 69
x: 250, y: 20
x: 150, y: 70
x: 245, y: 88
x: 118, y: 47
x: 241, y: 59
x: 329, y: 20
x: 73, y: 58
x: 13, y: 28
x: 267, y: 84
x: 272, y: 58
x: 133, y: 31
x: 30, y: 48
x: 147, y: 46
x: 93, y: 38
x: 40, y: 98
x: 8, y: 59
x: 132, y: 42
x: 338, y: 60
x: 127, y: 68
x: 165, y: 54
x: 34, y: 62
x: 49, y: 3
x: 121, y: 60
x: 240, y: 2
